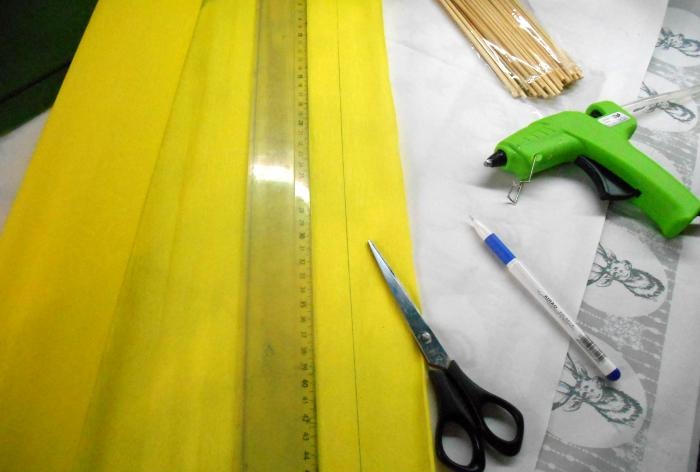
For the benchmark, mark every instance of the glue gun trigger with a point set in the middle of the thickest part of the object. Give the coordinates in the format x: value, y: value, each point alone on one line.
x: 609, y: 186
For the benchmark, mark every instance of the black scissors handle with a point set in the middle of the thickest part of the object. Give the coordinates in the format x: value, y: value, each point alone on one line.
x: 461, y: 402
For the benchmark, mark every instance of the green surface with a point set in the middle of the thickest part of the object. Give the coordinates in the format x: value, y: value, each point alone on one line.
x: 37, y: 41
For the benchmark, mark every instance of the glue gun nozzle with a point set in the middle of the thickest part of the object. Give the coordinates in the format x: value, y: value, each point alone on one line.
x: 497, y: 159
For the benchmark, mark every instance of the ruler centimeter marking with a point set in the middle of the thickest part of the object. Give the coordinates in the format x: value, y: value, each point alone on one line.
x: 303, y: 232
x: 279, y: 411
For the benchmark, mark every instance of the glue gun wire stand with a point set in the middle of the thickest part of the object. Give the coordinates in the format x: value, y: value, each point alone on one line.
x: 499, y: 159
x: 598, y: 142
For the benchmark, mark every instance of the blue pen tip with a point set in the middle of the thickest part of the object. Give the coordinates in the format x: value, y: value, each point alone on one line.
x: 614, y: 375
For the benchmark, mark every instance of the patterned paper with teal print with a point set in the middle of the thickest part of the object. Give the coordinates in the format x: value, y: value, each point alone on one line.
x: 604, y: 426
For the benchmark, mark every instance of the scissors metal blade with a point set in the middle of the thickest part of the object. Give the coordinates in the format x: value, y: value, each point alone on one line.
x: 429, y: 345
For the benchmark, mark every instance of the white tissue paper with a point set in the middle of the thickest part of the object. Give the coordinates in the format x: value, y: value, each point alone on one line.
x: 452, y: 111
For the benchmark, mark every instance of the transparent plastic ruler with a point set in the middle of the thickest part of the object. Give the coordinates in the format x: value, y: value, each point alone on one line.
x: 279, y: 430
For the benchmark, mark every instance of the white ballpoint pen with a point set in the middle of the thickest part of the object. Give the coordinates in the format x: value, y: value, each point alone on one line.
x: 528, y: 281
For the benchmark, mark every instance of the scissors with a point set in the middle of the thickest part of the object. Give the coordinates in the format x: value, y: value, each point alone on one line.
x: 460, y: 401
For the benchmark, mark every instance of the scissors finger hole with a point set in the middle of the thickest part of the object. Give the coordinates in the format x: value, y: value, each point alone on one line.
x: 499, y: 421
x: 456, y: 443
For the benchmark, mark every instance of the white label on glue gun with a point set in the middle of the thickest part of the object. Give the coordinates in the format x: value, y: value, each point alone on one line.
x: 613, y: 118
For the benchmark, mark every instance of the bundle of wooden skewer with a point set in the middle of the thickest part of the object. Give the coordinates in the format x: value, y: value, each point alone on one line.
x: 512, y: 42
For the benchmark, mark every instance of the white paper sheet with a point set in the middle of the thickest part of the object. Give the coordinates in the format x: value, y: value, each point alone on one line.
x: 452, y: 111
x: 16, y: 148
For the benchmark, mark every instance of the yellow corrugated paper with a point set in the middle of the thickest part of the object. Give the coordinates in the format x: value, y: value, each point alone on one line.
x: 68, y: 239
x: 169, y: 390
x: 122, y: 263
x: 357, y: 194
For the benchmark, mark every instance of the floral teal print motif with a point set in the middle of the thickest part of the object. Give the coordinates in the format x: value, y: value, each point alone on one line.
x: 607, y: 268
x: 669, y: 40
x: 612, y: 404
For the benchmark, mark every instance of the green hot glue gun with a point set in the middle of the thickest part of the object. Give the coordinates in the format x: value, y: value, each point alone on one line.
x: 598, y: 142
